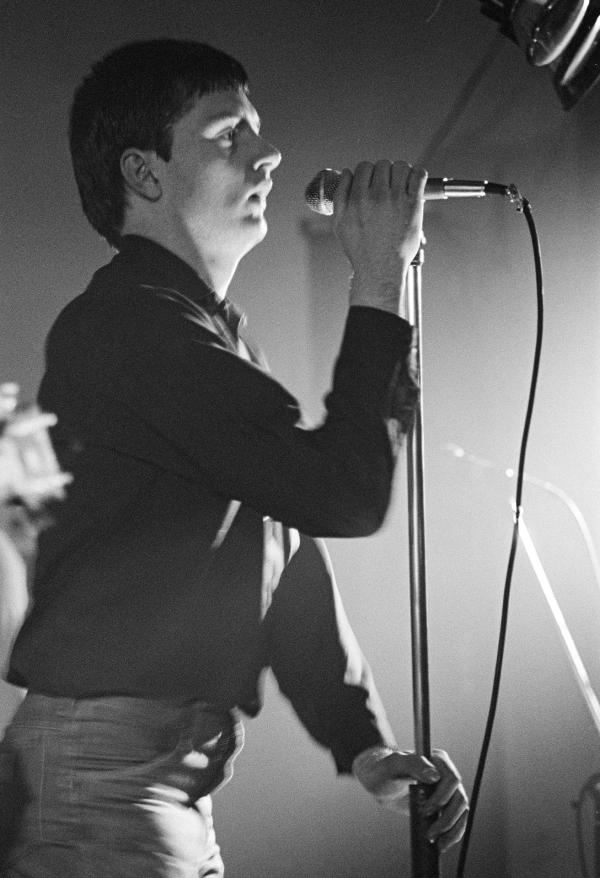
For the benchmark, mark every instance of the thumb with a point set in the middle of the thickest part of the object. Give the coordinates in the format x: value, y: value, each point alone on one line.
x: 418, y: 768
x: 377, y: 766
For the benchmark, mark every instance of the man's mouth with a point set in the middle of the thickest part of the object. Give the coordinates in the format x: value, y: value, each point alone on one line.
x: 261, y: 192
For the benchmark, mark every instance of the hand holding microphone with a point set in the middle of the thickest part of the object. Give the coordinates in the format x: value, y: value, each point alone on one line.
x: 321, y: 189
x: 391, y: 195
x: 378, y: 219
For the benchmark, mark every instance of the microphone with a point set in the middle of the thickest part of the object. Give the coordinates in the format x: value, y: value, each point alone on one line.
x: 320, y: 191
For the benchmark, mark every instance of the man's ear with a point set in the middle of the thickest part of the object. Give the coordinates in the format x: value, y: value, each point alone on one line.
x: 137, y: 167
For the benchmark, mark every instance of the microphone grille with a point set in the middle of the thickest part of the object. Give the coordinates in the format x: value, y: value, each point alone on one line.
x: 320, y: 191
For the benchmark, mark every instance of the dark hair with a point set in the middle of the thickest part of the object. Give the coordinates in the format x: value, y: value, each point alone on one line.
x: 132, y: 98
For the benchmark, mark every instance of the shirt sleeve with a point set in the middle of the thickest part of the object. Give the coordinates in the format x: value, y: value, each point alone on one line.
x: 147, y: 377
x: 318, y: 663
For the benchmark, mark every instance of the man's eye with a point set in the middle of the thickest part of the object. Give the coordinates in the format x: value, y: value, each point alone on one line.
x: 229, y: 135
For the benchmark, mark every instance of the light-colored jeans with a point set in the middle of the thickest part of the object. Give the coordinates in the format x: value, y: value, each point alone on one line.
x: 118, y: 786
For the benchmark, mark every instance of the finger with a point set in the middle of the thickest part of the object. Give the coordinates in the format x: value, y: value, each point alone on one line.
x: 451, y: 838
x: 415, y: 184
x: 361, y: 180
x: 443, y: 761
x: 415, y: 768
x: 399, y: 177
x: 381, y: 179
x: 450, y: 827
x: 450, y: 813
x: 450, y: 782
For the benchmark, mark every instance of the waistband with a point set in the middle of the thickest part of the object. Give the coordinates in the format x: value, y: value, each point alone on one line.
x: 126, y: 709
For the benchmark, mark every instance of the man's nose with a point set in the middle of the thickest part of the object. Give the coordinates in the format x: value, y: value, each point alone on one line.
x: 268, y: 156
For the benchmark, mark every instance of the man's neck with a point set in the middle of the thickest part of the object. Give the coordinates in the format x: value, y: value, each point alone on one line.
x: 216, y: 273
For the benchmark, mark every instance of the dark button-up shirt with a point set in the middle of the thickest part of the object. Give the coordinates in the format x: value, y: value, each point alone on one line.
x: 181, y: 563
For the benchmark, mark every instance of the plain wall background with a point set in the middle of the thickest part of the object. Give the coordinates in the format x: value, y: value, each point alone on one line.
x: 335, y: 84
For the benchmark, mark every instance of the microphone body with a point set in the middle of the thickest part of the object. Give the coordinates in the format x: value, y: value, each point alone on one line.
x: 321, y: 189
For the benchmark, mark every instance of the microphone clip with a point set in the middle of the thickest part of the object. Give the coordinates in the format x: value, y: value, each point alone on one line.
x: 515, y: 197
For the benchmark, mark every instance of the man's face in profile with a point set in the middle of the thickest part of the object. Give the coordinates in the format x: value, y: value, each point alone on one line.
x: 216, y: 183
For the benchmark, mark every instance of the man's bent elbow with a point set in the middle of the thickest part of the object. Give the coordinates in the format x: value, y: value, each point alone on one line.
x: 365, y: 514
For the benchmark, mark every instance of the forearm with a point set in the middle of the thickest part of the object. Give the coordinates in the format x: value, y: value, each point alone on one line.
x: 318, y: 663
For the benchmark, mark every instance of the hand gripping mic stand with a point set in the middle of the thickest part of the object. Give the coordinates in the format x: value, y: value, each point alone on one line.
x: 425, y: 856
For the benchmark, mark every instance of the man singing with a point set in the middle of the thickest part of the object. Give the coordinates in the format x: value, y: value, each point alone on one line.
x: 185, y: 559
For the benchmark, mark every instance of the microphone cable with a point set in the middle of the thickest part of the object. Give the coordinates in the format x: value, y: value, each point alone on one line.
x: 523, y: 206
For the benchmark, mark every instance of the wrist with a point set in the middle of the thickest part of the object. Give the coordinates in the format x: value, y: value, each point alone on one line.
x: 373, y: 292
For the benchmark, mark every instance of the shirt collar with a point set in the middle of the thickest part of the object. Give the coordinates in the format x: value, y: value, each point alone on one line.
x: 154, y: 264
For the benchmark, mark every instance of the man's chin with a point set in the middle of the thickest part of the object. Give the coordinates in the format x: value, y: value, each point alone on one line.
x: 256, y: 226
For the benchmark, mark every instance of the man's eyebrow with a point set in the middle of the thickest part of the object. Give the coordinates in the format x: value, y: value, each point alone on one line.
x: 233, y: 116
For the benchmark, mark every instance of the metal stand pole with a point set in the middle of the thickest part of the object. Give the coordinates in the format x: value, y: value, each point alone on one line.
x: 425, y: 857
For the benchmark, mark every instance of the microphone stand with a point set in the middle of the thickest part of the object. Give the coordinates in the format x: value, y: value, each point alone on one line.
x: 424, y: 855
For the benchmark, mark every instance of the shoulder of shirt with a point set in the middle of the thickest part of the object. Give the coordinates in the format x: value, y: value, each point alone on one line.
x: 104, y: 301
x: 122, y: 318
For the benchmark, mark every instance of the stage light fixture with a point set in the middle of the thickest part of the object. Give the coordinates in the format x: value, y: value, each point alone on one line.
x: 563, y: 35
